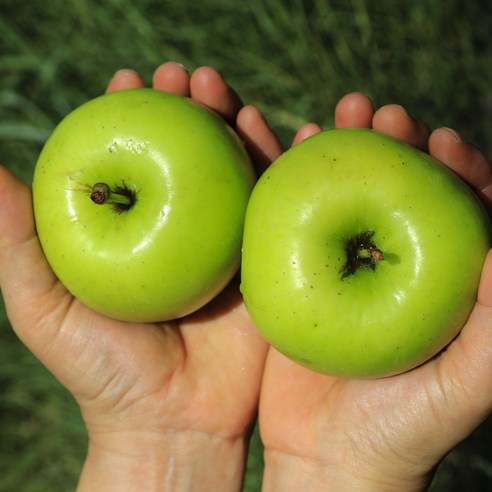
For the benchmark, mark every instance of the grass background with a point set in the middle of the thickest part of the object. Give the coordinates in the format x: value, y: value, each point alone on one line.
x: 292, y: 58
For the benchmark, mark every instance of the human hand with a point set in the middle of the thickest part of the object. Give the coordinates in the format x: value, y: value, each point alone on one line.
x: 326, y: 433
x: 164, y: 404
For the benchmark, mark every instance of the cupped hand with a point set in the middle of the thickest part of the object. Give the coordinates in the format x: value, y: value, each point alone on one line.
x: 384, y: 434
x: 199, y: 375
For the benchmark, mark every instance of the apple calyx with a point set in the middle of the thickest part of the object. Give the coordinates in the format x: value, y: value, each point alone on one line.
x: 361, y: 253
x: 121, y: 197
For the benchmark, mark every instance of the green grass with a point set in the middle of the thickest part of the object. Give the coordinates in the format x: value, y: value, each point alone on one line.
x: 292, y: 58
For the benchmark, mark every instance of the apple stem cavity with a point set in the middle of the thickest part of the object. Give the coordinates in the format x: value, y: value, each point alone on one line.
x: 361, y: 253
x: 121, y: 198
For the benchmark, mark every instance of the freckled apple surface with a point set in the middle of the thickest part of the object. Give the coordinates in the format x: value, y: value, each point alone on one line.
x: 361, y: 255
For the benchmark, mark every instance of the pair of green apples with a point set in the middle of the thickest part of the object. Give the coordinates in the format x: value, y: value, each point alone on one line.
x: 360, y: 255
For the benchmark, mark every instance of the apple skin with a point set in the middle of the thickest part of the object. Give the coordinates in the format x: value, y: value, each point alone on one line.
x: 381, y: 320
x: 179, y: 244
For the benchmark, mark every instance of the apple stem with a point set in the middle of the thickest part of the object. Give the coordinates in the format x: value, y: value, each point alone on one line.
x: 361, y: 253
x: 376, y: 254
x: 370, y: 254
x: 122, y: 198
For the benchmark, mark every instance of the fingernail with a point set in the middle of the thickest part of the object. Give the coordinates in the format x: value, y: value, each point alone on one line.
x: 126, y: 73
x: 457, y: 138
x: 401, y: 108
x: 175, y: 63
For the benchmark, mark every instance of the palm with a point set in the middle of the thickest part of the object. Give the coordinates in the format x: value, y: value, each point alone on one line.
x: 418, y: 415
x: 390, y: 415
x: 201, y: 373
x: 179, y: 371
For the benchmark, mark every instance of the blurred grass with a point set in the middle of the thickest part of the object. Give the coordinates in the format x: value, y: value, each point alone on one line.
x: 292, y: 58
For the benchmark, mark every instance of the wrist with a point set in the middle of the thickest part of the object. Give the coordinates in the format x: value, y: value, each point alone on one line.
x: 286, y: 473
x: 175, y: 461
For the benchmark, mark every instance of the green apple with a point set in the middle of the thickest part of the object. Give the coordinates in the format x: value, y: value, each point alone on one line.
x: 139, y: 201
x: 361, y: 255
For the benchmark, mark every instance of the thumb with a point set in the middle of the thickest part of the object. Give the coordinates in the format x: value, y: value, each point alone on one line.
x: 29, y: 287
x: 466, y: 365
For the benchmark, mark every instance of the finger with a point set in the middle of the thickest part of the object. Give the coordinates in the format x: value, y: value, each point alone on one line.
x: 393, y: 120
x: 467, y: 161
x: 261, y: 141
x: 28, y: 285
x: 208, y: 87
x: 172, y: 77
x: 124, y: 79
x: 306, y: 131
x: 355, y: 110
